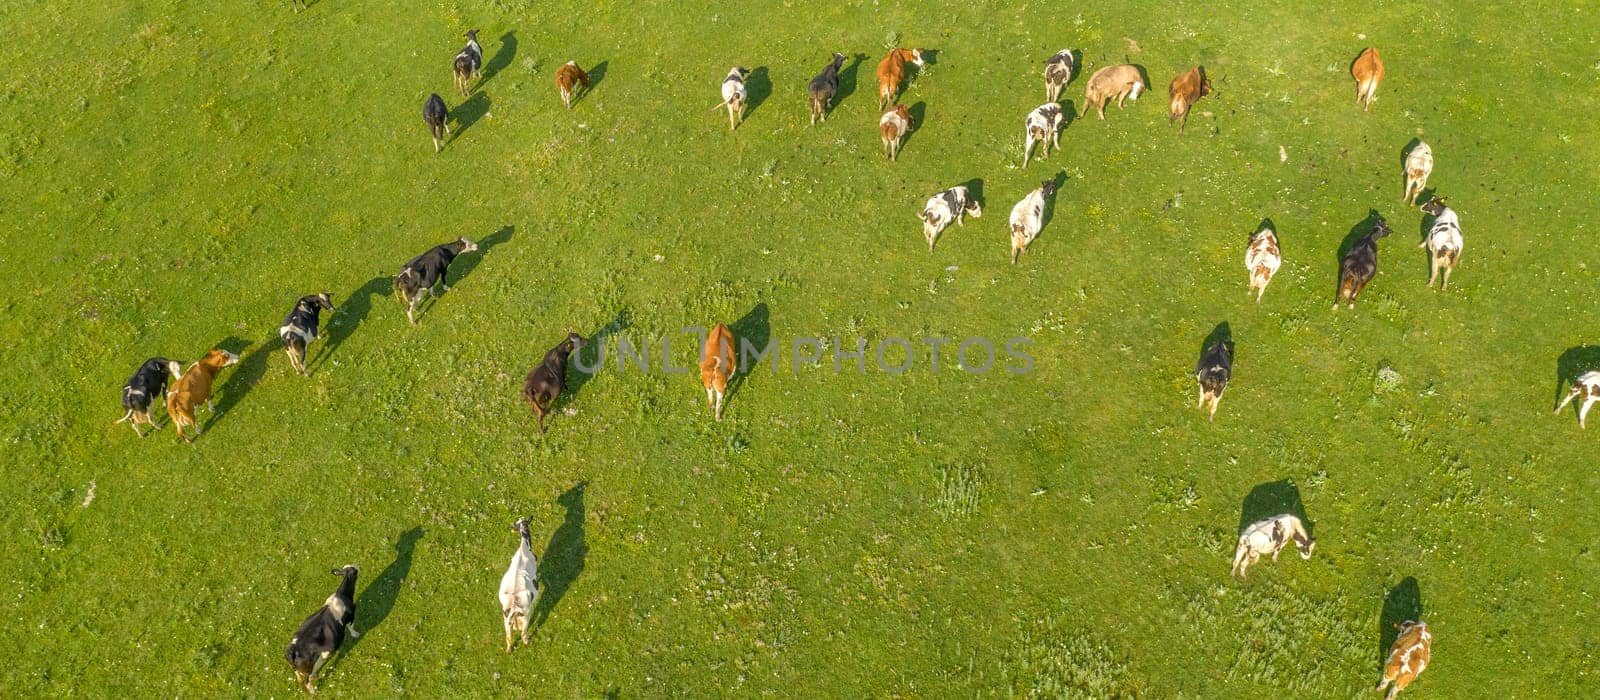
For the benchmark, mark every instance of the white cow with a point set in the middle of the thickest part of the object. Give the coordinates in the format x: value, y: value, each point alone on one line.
x: 1271, y: 535
x: 519, y: 587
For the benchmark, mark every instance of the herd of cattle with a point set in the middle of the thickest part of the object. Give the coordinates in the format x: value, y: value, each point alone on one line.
x: 323, y: 632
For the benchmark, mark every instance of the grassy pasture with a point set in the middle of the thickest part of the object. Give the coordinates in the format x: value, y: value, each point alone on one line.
x: 174, y: 174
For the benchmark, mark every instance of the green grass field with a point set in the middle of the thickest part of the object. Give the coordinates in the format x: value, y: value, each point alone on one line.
x: 174, y: 174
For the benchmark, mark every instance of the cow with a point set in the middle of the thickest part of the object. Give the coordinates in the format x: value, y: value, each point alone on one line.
x: 1360, y: 264
x: 1586, y: 385
x: 469, y: 63
x: 1419, y: 165
x: 1443, y: 241
x: 1187, y: 89
x: 734, y: 96
x: 300, y: 328
x: 1408, y: 657
x: 418, y: 277
x: 717, y: 365
x: 437, y: 116
x: 549, y: 379
x: 945, y: 207
x: 1262, y: 260
x: 1027, y: 218
x: 893, y: 127
x: 1212, y: 372
x: 519, y: 587
x: 194, y: 388
x: 321, y: 634
x: 1121, y: 81
x: 1368, y: 72
x: 148, y: 383
x: 1057, y: 73
x: 1270, y: 536
x: 892, y: 70
x: 1043, y: 125
x: 568, y: 77
x: 824, y: 87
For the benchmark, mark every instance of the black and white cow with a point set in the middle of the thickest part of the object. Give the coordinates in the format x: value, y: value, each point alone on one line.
x: 1057, y: 73
x: 1443, y: 241
x: 946, y: 207
x: 1043, y: 125
x: 1213, y: 371
x: 1027, y: 218
x: 147, y: 384
x: 300, y: 327
x: 469, y: 63
x: 322, y: 633
x: 418, y: 278
x: 735, y: 95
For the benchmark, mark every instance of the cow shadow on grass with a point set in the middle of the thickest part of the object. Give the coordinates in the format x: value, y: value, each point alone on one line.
x: 350, y: 314
x: 468, y: 113
x: 758, y: 87
x: 245, y: 375
x: 1357, y: 232
x: 1403, y: 603
x: 471, y: 261
x: 592, y: 358
x: 377, y: 601
x: 1221, y: 333
x: 1573, y: 363
x: 1049, y: 213
x: 1271, y: 499
x: 563, y: 557
x: 596, y: 74
x: 918, y: 112
x: 848, y: 78
x: 754, y: 329
x: 502, y: 58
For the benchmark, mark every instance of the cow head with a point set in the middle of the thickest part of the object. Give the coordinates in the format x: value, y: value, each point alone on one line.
x: 1434, y: 207
x: 466, y: 245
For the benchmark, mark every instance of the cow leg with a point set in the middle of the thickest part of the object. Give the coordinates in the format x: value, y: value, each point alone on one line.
x: 1446, y: 284
x: 1433, y: 269
x: 1570, y: 396
x: 719, y: 406
x: 1583, y: 410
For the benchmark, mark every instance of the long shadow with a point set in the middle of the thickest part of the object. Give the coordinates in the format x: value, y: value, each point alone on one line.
x: 1270, y: 499
x: 847, y: 80
x: 596, y: 74
x: 471, y: 261
x: 1049, y: 213
x: 1575, y: 361
x: 1403, y: 602
x: 563, y: 556
x: 755, y: 328
x: 468, y: 113
x: 377, y: 600
x: 502, y: 58
x: 918, y: 112
x: 592, y: 358
x: 1357, y: 232
x: 350, y: 314
x: 758, y: 87
x: 245, y: 375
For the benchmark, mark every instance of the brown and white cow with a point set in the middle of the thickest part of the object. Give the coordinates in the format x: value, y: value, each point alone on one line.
x: 1408, y: 657
x: 717, y: 365
x: 893, y: 127
x: 1587, y: 386
x: 892, y: 70
x: 1120, y: 81
x: 568, y: 78
x: 194, y: 388
x: 1187, y: 89
x: 1419, y: 165
x: 1368, y: 72
x: 1262, y: 260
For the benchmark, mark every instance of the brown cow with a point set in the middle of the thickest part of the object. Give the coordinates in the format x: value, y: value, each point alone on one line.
x: 568, y: 76
x: 1120, y: 81
x: 194, y: 388
x: 717, y: 365
x: 892, y: 70
x: 1187, y: 89
x: 1407, y: 658
x: 1368, y: 72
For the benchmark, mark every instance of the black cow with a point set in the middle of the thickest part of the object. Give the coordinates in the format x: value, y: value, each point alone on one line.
x: 547, y: 380
x: 1360, y: 265
x: 824, y: 87
x: 438, y: 118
